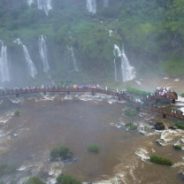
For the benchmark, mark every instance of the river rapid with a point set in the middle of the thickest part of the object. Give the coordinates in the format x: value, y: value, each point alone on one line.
x: 76, y: 122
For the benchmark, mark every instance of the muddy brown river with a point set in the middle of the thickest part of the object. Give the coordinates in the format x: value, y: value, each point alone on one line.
x: 76, y: 124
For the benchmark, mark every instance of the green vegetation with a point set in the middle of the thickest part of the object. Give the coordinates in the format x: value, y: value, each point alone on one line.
x: 174, y: 68
x: 34, y: 180
x: 152, y: 32
x: 93, y: 148
x: 6, y: 169
x: 160, y: 160
x: 137, y: 92
x: 17, y: 113
x: 131, y: 112
x: 131, y: 126
x: 182, y: 94
x: 177, y: 147
x: 179, y: 124
x: 65, y: 179
x: 60, y: 153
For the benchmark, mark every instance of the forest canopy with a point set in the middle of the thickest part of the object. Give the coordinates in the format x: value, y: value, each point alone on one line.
x: 152, y: 32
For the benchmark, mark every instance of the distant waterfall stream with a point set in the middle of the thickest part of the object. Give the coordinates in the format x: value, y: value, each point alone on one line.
x: 31, y: 67
x: 91, y: 6
x: 45, y: 5
x: 30, y: 2
x: 43, y: 53
x: 128, y: 72
x: 73, y: 59
x: 4, y: 68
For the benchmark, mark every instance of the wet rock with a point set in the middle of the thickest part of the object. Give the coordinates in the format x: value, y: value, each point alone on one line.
x: 159, y: 126
x: 172, y: 128
x: 181, y: 175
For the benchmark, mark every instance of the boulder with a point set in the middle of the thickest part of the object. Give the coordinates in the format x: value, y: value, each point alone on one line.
x: 159, y: 126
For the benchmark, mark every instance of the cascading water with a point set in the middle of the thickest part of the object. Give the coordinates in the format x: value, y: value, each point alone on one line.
x: 45, y: 5
x: 117, y: 53
x: 4, y: 68
x: 73, y: 58
x: 105, y: 3
x: 30, y: 2
x: 43, y: 53
x: 91, y: 6
x: 31, y: 67
x: 115, y: 71
x: 127, y: 71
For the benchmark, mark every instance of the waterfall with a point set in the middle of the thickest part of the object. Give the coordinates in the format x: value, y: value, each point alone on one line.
x: 91, y: 6
x: 127, y: 71
x: 73, y: 59
x: 43, y: 53
x: 105, y: 3
x: 45, y: 5
x: 31, y: 67
x: 30, y: 2
x: 4, y: 68
x: 117, y: 53
x: 115, y: 71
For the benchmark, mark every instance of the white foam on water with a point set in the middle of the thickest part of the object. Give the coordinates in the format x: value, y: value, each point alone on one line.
x: 22, y: 168
x: 112, y: 101
x: 182, y: 109
x: 138, y: 82
x: 166, y: 78
x: 170, y: 135
x: 68, y: 97
x: 176, y: 80
x: 51, y: 181
x: 143, y: 154
x: 44, y: 98
x: 5, y: 118
x: 178, y: 164
x: 180, y: 99
x: 16, y: 100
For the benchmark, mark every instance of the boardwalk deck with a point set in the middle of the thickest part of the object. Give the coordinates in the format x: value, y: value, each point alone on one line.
x: 93, y: 91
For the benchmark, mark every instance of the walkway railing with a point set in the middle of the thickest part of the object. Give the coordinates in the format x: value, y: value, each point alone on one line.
x: 120, y: 95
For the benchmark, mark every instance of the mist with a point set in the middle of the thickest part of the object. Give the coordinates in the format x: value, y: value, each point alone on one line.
x: 74, y: 40
x: 91, y: 91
